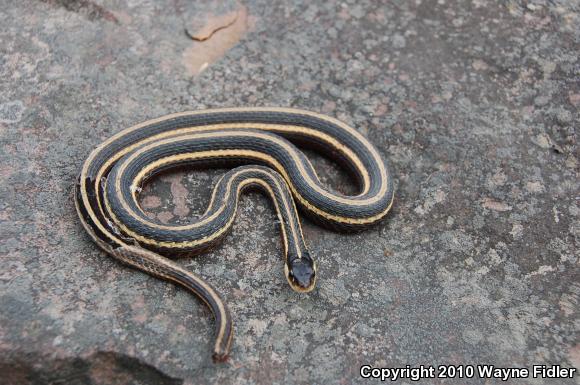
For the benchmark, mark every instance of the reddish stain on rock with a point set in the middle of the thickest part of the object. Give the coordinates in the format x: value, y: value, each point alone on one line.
x: 165, y: 216
x: 574, y: 99
x: 179, y: 194
x: 151, y: 202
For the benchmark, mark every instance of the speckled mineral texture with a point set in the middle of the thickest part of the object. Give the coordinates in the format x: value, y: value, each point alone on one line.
x: 474, y: 102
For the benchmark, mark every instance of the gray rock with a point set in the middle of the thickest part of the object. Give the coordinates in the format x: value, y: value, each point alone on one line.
x: 474, y: 103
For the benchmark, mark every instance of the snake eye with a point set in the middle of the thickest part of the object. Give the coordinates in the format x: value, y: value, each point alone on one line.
x: 301, y: 273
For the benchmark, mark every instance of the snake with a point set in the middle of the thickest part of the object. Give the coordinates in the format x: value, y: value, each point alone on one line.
x: 262, y: 148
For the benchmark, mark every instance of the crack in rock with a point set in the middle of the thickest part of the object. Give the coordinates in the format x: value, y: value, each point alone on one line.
x: 209, y: 45
x: 208, y: 30
x: 102, y: 368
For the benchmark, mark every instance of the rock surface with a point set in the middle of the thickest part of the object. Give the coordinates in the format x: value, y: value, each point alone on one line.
x: 475, y: 103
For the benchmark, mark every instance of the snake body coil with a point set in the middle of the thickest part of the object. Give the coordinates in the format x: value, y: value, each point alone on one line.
x: 259, y: 139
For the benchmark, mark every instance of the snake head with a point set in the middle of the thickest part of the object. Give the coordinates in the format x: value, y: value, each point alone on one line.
x: 301, y: 273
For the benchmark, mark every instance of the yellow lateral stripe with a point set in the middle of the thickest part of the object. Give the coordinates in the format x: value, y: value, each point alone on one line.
x: 94, y: 153
x: 290, y: 150
x: 347, y: 152
x: 196, y: 242
x: 159, y: 163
